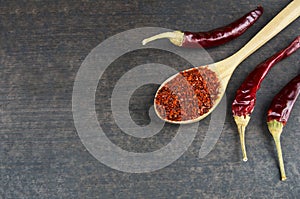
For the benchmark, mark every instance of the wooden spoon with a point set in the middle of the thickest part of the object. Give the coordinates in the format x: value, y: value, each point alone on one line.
x: 225, y: 68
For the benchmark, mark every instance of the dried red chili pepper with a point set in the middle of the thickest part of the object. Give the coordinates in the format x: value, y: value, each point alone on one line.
x: 211, y: 38
x: 245, y: 98
x: 188, y: 95
x: 279, y: 112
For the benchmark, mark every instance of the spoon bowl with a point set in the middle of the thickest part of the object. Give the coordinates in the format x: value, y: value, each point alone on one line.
x: 221, y: 92
x: 225, y: 68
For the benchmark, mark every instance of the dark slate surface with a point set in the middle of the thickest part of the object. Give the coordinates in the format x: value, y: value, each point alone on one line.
x: 42, y: 46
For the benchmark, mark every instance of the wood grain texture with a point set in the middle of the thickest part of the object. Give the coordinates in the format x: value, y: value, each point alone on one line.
x: 42, y: 46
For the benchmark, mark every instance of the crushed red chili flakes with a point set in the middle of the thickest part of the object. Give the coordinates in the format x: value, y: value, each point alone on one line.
x: 188, y: 95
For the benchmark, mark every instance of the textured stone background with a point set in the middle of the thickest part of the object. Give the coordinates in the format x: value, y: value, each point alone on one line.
x: 42, y: 46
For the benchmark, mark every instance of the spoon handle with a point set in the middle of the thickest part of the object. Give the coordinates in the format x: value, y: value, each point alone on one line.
x: 278, y: 23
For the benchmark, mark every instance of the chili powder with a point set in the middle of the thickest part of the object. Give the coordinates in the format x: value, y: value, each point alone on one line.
x: 188, y: 95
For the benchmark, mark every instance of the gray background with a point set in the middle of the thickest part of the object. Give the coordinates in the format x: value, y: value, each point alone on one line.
x: 42, y: 46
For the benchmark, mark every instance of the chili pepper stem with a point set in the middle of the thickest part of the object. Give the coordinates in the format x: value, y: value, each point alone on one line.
x: 175, y: 37
x: 241, y: 130
x: 242, y: 122
x: 275, y: 129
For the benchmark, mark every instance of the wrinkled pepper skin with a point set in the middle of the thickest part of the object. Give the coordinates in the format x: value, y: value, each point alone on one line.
x: 221, y: 35
x: 246, y: 95
x: 283, y: 102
